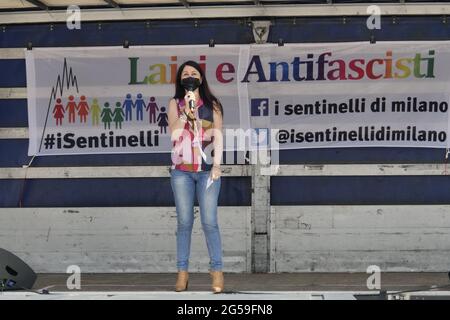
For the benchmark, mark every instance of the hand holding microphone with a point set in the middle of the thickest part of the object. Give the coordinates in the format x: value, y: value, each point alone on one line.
x: 190, y: 84
x: 189, y: 99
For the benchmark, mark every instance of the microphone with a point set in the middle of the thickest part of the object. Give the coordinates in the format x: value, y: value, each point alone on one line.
x: 190, y: 84
x: 192, y: 103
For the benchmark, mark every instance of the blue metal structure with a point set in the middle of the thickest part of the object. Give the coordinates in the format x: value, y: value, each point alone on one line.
x: 236, y: 190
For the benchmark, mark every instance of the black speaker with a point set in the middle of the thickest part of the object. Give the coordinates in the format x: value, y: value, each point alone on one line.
x: 14, y: 273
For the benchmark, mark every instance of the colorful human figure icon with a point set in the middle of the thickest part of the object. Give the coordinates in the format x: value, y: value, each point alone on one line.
x: 58, y: 112
x: 152, y: 107
x: 95, y: 112
x: 140, y: 105
x: 128, y: 105
x: 72, y: 107
x: 107, y: 115
x: 118, y: 115
x: 83, y: 109
x: 163, y: 120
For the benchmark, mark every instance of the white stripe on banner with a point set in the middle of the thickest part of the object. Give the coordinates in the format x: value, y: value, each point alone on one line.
x: 13, y: 93
x: 411, y: 169
x: 35, y: 131
x: 357, y: 94
x: 106, y: 172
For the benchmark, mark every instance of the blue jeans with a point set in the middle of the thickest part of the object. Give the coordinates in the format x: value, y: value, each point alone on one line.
x: 186, y: 185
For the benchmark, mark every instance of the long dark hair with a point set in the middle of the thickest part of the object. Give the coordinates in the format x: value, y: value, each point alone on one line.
x: 205, y: 93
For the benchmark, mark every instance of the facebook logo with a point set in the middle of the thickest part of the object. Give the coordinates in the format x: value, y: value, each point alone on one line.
x: 260, y: 107
x: 260, y: 137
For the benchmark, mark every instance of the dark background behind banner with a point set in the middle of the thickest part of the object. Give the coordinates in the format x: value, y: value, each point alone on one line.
x: 13, y: 112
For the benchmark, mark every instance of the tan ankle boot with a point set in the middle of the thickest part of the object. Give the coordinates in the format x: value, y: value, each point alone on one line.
x: 217, y: 281
x: 182, y: 281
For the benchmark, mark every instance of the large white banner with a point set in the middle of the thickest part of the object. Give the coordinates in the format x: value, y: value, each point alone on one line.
x: 114, y: 100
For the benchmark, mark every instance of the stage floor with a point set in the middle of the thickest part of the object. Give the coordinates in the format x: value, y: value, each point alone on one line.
x: 239, y: 286
x: 246, y: 281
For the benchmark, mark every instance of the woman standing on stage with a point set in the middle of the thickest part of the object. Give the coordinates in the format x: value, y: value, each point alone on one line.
x: 195, y: 123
